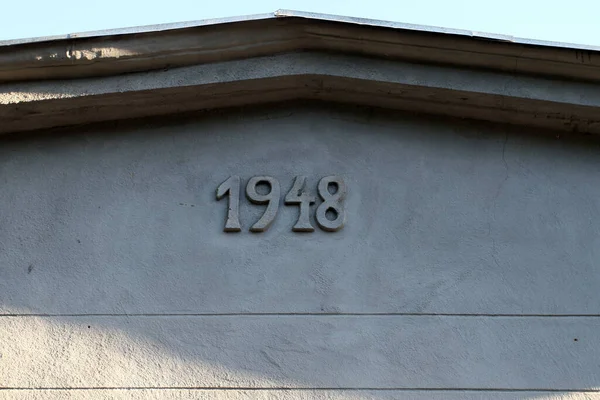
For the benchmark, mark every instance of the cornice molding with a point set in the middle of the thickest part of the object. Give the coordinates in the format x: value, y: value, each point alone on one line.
x: 434, y: 89
x: 171, y: 46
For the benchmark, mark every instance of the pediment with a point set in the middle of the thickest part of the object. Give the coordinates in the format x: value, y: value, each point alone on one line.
x: 53, y: 82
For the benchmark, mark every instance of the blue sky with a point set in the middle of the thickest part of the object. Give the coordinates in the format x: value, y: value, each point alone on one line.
x: 575, y: 21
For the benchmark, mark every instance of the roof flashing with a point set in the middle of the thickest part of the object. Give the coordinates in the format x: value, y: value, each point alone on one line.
x: 283, y: 13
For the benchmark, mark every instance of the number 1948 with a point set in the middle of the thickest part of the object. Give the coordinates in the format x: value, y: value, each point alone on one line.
x: 330, y: 214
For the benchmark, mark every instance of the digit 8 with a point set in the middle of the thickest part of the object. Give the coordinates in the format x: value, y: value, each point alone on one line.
x: 332, y: 203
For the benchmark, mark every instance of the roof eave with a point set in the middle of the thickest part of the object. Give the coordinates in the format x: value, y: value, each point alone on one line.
x: 285, y: 56
x: 175, y: 45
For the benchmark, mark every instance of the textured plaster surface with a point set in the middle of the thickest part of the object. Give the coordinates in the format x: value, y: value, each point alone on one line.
x: 301, y: 351
x: 441, y: 218
x: 286, y: 394
x: 469, y: 260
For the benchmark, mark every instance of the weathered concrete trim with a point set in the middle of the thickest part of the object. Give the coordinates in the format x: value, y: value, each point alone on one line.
x: 493, y: 96
x: 124, y: 53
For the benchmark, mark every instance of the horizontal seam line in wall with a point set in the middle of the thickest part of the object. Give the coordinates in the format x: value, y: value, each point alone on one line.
x: 305, y: 315
x: 308, y: 389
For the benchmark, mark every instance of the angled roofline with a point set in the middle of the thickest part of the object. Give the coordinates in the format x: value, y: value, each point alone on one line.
x: 434, y: 29
x: 137, y: 29
x: 281, y: 13
x: 190, y: 43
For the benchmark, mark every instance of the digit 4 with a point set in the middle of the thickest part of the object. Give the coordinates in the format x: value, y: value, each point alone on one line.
x: 298, y: 194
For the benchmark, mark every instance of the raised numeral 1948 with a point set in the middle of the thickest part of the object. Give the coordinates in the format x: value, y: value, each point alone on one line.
x: 330, y: 214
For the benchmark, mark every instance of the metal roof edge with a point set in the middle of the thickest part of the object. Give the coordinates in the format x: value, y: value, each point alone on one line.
x: 433, y: 29
x: 137, y: 29
x: 283, y: 13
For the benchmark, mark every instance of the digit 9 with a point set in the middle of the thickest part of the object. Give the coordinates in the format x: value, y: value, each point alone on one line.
x: 271, y: 199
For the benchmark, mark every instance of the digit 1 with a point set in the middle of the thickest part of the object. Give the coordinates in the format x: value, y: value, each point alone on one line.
x: 334, y: 203
x: 299, y: 195
x: 232, y: 187
x: 271, y: 199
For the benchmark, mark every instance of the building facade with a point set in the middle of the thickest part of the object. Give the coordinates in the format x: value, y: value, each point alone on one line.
x: 299, y: 206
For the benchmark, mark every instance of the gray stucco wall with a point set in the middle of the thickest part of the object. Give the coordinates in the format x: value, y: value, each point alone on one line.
x: 468, y: 266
